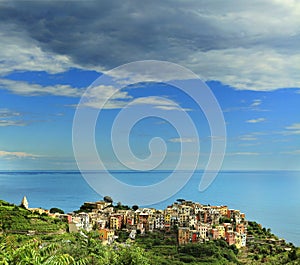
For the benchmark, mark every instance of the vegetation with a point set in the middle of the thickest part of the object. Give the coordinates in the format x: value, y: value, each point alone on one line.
x: 75, y: 250
x: 51, y: 244
x: 108, y: 199
x: 56, y: 210
x: 163, y: 249
x: 265, y: 247
x: 84, y: 208
x: 135, y: 207
x: 15, y: 219
x: 120, y: 206
x: 224, y: 220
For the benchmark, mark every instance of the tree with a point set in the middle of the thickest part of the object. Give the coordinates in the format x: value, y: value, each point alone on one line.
x: 132, y: 255
x: 224, y: 220
x: 293, y: 254
x: 135, y: 207
x: 119, y: 206
x: 56, y: 210
x: 108, y: 199
x: 234, y: 249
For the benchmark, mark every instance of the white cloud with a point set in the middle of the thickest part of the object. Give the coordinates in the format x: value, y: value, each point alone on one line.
x: 6, y: 113
x: 109, y: 97
x: 251, y: 137
x: 293, y: 129
x: 293, y: 152
x: 295, y: 126
x: 10, y: 155
x: 105, y: 97
x: 27, y: 89
x: 20, y: 53
x: 256, y: 120
x: 159, y: 103
x: 250, y: 144
x: 10, y: 118
x: 242, y: 154
x: 5, y: 123
x: 256, y: 103
x: 182, y: 140
x: 248, y: 138
x: 257, y: 69
x: 217, y: 138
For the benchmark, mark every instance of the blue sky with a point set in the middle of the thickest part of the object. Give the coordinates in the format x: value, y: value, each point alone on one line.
x: 247, y: 54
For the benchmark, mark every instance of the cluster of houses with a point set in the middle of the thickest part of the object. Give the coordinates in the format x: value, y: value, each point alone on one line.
x: 191, y: 221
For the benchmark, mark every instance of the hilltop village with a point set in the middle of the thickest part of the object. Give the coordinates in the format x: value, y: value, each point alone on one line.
x: 191, y: 221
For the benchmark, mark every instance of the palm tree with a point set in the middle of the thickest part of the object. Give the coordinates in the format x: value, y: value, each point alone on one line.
x: 35, y: 253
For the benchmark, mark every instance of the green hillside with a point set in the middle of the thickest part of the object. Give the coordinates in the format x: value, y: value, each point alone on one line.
x: 49, y: 243
x: 16, y: 219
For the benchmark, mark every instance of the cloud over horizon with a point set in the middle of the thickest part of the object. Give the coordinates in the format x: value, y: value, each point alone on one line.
x: 10, y: 155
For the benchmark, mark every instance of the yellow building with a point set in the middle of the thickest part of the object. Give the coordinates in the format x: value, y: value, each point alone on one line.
x: 240, y: 240
x: 221, y: 230
x: 114, y: 223
x: 167, y: 218
x: 184, y: 220
x: 223, y: 210
x: 38, y: 210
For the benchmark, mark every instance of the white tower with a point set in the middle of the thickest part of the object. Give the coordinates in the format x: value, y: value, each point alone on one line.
x: 24, y: 202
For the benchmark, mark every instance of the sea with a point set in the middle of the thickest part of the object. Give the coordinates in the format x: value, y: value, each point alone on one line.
x: 271, y: 198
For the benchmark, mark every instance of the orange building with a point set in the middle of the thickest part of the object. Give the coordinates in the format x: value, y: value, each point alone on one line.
x: 229, y: 237
x: 183, y: 235
x: 215, y: 233
x: 240, y: 228
x: 106, y: 235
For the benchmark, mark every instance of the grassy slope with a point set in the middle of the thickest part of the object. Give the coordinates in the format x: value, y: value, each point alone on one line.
x: 15, y: 219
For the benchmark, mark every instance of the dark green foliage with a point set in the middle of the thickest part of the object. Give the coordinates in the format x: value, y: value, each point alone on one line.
x: 208, y: 251
x: 122, y: 236
x: 135, y: 207
x: 224, y: 220
x: 119, y: 206
x: 259, y: 231
x: 163, y: 247
x: 108, y: 199
x: 187, y: 258
x: 234, y: 249
x: 84, y: 208
x: 266, y: 248
x: 292, y: 255
x: 56, y: 210
x: 4, y: 203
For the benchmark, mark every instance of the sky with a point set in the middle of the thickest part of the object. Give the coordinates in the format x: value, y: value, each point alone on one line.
x: 247, y: 53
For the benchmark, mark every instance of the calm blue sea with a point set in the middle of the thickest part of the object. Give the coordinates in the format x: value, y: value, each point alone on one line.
x: 271, y: 198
